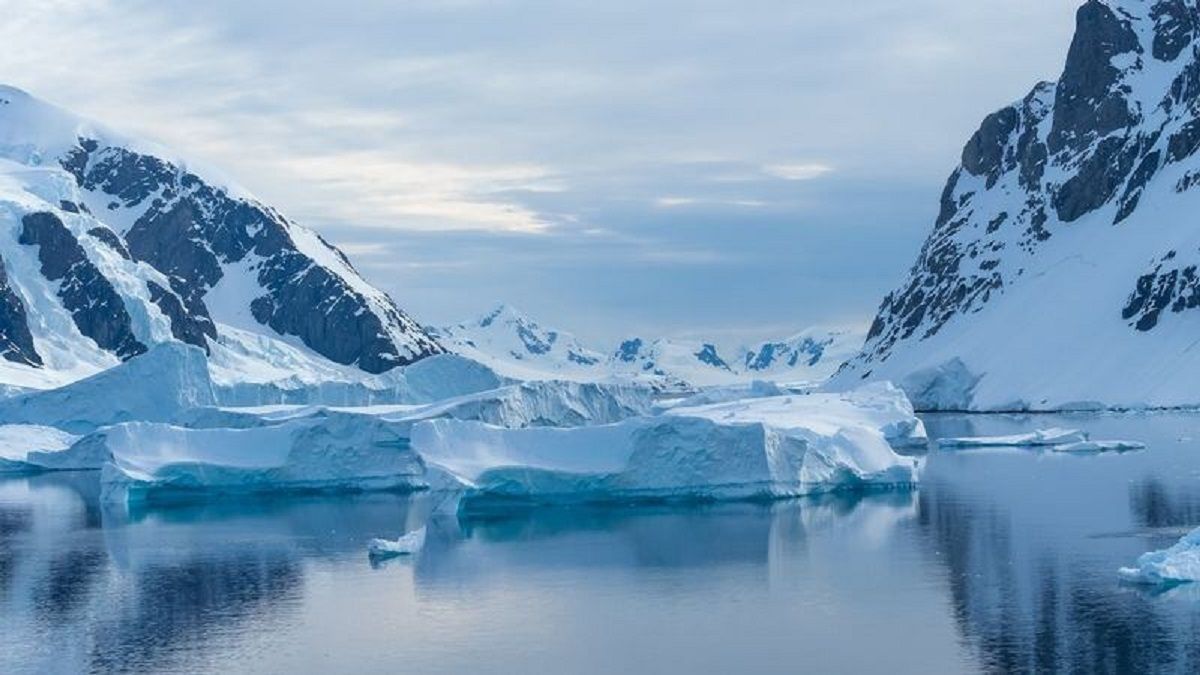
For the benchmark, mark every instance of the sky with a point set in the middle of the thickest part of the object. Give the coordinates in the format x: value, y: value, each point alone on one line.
x: 728, y: 169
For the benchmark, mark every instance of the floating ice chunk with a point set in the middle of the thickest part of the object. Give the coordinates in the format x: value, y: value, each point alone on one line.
x: 19, y: 441
x: 1041, y: 437
x: 409, y: 544
x: 1090, y: 447
x: 1178, y: 564
x: 755, y: 449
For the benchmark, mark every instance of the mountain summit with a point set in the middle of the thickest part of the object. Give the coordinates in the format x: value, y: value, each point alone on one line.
x: 110, y: 245
x: 1062, y: 269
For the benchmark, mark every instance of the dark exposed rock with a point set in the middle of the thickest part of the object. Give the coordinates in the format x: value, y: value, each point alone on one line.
x: 191, y: 230
x: 110, y: 239
x: 185, y: 326
x: 1175, y: 28
x: 1168, y: 286
x: 708, y: 355
x: 1099, y: 177
x: 16, y: 342
x: 629, y: 350
x: 984, y: 153
x: 1088, y: 103
x: 95, y: 306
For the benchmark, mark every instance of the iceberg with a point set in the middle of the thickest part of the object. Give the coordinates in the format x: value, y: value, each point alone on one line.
x: 880, y: 406
x: 1071, y: 441
x: 409, y: 544
x: 756, y: 449
x: 1175, y: 565
x: 1038, y: 438
x: 1092, y: 447
x: 542, y: 404
x: 157, y: 386
x: 331, y: 452
x: 19, y: 441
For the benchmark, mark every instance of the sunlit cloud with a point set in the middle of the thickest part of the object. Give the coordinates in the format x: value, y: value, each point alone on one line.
x: 797, y: 171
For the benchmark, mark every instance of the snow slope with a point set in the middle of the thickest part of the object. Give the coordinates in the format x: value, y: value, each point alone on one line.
x: 1062, y: 270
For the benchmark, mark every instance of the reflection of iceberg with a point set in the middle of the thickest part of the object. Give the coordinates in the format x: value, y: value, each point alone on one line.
x: 1175, y: 565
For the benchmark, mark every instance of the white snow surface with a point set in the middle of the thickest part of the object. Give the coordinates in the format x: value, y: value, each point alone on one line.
x: 763, y: 448
x: 18, y: 441
x: 1177, y: 564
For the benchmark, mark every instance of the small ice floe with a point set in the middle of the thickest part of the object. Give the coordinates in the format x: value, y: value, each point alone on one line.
x: 1089, y: 447
x: 1039, y: 438
x: 1176, y: 565
x: 409, y: 544
x: 1055, y: 439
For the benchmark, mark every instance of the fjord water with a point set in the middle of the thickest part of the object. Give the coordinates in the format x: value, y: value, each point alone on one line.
x: 1005, y: 560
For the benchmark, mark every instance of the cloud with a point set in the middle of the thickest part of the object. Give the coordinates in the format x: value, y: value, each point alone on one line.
x: 797, y: 171
x: 481, y: 148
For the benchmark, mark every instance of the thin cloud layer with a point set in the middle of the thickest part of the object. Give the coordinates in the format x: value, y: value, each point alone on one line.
x: 614, y: 167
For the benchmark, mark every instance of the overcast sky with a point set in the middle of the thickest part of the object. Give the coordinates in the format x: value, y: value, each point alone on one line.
x: 722, y: 168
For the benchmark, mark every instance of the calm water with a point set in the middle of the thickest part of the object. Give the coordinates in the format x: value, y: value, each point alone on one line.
x: 1003, y: 561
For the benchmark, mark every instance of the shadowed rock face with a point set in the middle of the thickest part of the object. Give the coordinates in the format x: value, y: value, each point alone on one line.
x: 16, y: 342
x: 192, y: 231
x: 1089, y: 145
x: 98, y: 311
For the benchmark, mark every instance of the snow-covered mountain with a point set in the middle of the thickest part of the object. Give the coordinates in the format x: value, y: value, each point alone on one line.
x: 110, y: 245
x: 1062, y: 269
x: 515, y: 345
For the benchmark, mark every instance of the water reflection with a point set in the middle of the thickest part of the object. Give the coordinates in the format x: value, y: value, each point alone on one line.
x: 1004, y: 561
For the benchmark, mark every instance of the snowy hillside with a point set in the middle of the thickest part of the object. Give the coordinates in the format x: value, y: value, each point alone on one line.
x: 516, y: 346
x: 1062, y: 269
x: 109, y: 246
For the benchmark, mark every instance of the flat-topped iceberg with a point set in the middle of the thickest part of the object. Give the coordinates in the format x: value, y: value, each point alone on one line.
x: 1175, y: 565
x: 1070, y: 441
x: 756, y: 449
x: 1033, y: 439
x: 327, y: 452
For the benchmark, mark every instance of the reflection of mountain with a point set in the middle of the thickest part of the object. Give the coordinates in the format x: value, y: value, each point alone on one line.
x: 1026, y: 603
x: 1157, y: 504
x: 160, y: 589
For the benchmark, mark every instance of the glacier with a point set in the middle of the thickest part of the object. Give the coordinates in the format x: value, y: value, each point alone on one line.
x: 1175, y: 565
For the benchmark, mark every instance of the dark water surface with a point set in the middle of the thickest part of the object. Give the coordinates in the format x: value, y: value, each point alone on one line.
x: 1004, y: 560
